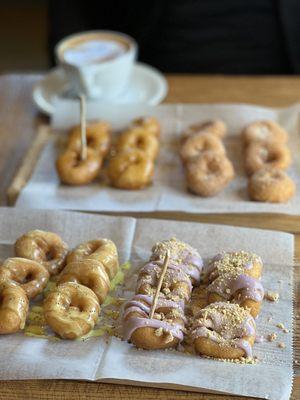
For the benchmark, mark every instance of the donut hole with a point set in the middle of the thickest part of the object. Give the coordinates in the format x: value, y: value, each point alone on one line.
x: 213, y: 166
x: 49, y: 255
x: 28, y: 277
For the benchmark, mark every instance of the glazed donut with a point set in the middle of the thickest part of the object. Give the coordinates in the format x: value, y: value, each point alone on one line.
x: 224, y: 330
x: 208, y: 174
x: 269, y: 154
x: 164, y: 330
x: 47, y: 248
x: 235, y: 277
x: 148, y: 124
x: 103, y: 250
x: 200, y: 143
x: 90, y: 273
x: 271, y: 185
x: 74, y: 171
x: 71, y: 310
x: 215, y: 127
x: 264, y: 131
x: 14, y: 307
x: 130, y: 170
x: 30, y: 275
x: 138, y: 138
x: 98, y: 137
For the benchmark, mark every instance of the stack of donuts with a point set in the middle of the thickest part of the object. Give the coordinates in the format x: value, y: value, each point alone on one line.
x: 266, y: 159
x: 73, y: 170
x: 131, y: 165
x: 166, y: 328
x: 207, y: 167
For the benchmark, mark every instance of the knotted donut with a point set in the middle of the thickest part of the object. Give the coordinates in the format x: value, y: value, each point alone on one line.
x: 103, y: 250
x: 47, y: 248
x: 90, y: 273
x: 224, y: 330
x: 215, y: 127
x: 71, y: 310
x: 30, y: 275
x: 138, y: 138
x: 271, y: 185
x: 264, y: 131
x: 148, y: 124
x: 208, y: 174
x: 130, y: 170
x: 200, y: 143
x: 13, y: 307
x: 72, y: 170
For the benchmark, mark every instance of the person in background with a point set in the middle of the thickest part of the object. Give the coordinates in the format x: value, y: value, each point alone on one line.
x: 194, y: 36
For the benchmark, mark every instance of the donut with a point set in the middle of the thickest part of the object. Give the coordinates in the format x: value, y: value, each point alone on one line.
x: 208, y: 174
x: 98, y: 137
x: 90, y: 273
x: 200, y: 143
x: 71, y: 310
x: 47, y: 248
x: 164, y: 330
x: 74, y: 171
x: 224, y: 330
x: 138, y: 138
x: 215, y: 127
x: 235, y: 277
x: 30, y: 275
x: 14, y: 307
x: 148, y: 124
x: 130, y: 170
x: 103, y: 250
x: 266, y: 154
x: 264, y: 131
x: 271, y: 185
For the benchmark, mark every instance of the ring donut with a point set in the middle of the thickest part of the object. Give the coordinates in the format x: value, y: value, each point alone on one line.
x: 266, y: 154
x: 200, y: 143
x: 130, y: 170
x: 271, y: 185
x: 103, y: 250
x: 74, y: 171
x: 138, y: 138
x: 71, y: 310
x: 208, y: 174
x: 264, y: 131
x: 30, y: 275
x: 215, y: 127
x: 47, y: 248
x: 14, y: 307
x: 148, y: 124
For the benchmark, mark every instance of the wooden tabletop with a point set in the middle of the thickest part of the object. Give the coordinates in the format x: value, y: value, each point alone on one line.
x: 19, y: 120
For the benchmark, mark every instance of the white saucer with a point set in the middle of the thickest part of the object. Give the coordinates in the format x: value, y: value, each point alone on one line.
x: 148, y: 86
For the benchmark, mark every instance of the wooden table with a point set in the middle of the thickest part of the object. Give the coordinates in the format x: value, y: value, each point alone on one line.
x: 18, y: 125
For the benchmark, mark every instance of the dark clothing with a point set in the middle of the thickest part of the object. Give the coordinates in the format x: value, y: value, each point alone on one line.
x: 194, y: 36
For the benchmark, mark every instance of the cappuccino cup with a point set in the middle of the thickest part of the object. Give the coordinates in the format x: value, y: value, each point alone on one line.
x: 97, y: 63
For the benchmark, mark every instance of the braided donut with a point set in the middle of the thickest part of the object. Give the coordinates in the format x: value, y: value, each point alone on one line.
x: 103, y: 250
x: 264, y: 131
x: 138, y: 138
x: 130, y: 170
x: 215, y: 127
x: 148, y: 124
x: 269, y: 154
x: 71, y: 310
x: 30, y: 275
x: 98, y: 138
x: 47, y: 248
x: 224, y: 330
x: 90, y: 273
x: 200, y: 143
x: 208, y: 174
x: 271, y: 185
x: 14, y: 307
x: 74, y: 171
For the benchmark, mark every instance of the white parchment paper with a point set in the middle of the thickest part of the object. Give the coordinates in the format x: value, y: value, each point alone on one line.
x: 168, y: 192
x: 22, y: 357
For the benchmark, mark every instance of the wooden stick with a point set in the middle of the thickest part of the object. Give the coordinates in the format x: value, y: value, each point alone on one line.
x: 83, y: 152
x: 161, y: 279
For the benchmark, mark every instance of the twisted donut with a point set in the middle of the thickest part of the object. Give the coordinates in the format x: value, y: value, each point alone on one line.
x: 71, y: 310
x: 90, y: 273
x: 47, y: 248
x: 148, y: 124
x: 30, y: 275
x: 208, y: 174
x: 138, y: 138
x: 271, y: 185
x: 224, y: 330
x: 130, y: 170
x: 14, y: 306
x: 103, y: 250
x: 264, y: 131
x: 215, y: 127
x: 74, y: 171
x: 200, y: 143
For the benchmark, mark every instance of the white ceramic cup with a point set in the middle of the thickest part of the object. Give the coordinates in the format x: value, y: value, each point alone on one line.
x: 98, y: 78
